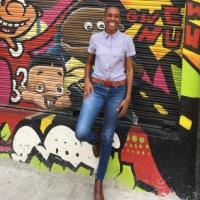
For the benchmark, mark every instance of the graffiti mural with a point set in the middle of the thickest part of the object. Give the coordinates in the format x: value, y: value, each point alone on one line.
x: 43, y: 55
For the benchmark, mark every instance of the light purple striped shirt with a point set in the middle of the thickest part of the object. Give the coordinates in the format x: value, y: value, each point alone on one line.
x: 110, y: 51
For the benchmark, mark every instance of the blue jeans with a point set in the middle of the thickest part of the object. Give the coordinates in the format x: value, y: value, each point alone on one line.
x: 109, y: 98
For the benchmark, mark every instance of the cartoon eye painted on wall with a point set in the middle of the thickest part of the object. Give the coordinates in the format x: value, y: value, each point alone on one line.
x: 60, y: 90
x: 40, y: 88
x: 88, y: 26
x: 100, y: 25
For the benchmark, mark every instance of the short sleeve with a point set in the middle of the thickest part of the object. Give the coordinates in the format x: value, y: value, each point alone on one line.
x: 91, y: 48
x: 130, y: 48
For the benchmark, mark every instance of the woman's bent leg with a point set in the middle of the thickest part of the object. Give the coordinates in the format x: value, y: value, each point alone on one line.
x: 91, y: 107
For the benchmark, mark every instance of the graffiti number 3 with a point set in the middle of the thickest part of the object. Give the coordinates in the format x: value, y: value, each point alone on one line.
x: 16, y: 96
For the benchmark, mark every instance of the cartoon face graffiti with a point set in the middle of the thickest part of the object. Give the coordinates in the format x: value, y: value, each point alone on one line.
x: 17, y: 17
x: 46, y: 88
x: 78, y: 28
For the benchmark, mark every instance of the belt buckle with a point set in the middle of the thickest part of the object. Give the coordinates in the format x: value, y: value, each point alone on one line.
x: 115, y: 83
x: 107, y: 83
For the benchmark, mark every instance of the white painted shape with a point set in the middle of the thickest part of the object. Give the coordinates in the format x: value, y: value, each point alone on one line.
x: 24, y: 140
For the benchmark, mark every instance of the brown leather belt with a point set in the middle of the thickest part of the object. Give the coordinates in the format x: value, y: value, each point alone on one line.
x: 108, y: 83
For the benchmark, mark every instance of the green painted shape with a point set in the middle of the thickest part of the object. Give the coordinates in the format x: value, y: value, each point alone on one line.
x: 126, y: 178
x: 176, y: 72
x: 43, y: 167
x: 190, y: 81
x: 4, y: 155
x: 113, y: 167
x: 83, y: 171
x: 35, y: 162
x: 138, y: 189
x: 58, y: 169
x: 5, y: 133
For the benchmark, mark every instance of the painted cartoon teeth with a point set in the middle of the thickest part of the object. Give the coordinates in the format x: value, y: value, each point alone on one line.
x: 16, y: 25
x: 10, y: 25
x: 5, y: 23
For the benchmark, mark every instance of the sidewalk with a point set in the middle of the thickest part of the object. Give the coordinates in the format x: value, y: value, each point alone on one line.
x: 20, y: 181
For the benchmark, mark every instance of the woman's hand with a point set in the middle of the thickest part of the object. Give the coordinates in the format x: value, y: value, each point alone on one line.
x: 123, y: 108
x: 88, y: 88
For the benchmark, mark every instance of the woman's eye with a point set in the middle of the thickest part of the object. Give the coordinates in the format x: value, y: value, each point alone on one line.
x: 100, y: 25
x: 88, y: 26
x: 39, y: 88
x: 60, y: 89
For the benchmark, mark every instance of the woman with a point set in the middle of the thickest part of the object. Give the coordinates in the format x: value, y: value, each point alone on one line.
x: 111, y: 53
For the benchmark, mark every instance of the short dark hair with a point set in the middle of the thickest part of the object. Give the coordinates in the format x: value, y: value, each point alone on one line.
x: 108, y: 7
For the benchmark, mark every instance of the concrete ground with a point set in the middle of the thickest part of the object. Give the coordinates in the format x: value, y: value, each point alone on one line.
x: 20, y: 181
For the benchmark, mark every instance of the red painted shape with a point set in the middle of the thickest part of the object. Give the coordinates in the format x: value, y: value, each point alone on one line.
x: 160, y: 81
x: 150, y: 36
x: 12, y: 117
x: 193, y: 9
x: 5, y: 148
x: 192, y: 36
x: 5, y: 85
x: 146, y: 78
x: 137, y: 152
x: 170, y: 15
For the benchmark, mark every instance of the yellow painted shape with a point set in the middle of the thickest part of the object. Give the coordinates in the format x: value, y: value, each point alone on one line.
x: 193, y: 57
x: 195, y: 21
x: 180, y: 51
x: 145, y: 4
x: 33, y: 32
x: 159, y: 22
x: 143, y: 94
x: 160, y: 109
x: 158, y: 50
x: 77, y: 73
x: 133, y: 30
x: 185, y: 122
x: 45, y: 122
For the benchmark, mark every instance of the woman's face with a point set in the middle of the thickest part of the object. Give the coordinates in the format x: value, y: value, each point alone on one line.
x: 112, y: 20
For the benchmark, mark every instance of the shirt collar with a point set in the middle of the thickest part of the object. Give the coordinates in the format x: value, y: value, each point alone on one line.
x: 113, y: 35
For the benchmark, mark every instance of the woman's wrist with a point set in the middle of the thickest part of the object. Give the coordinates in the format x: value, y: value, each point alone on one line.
x: 127, y: 98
